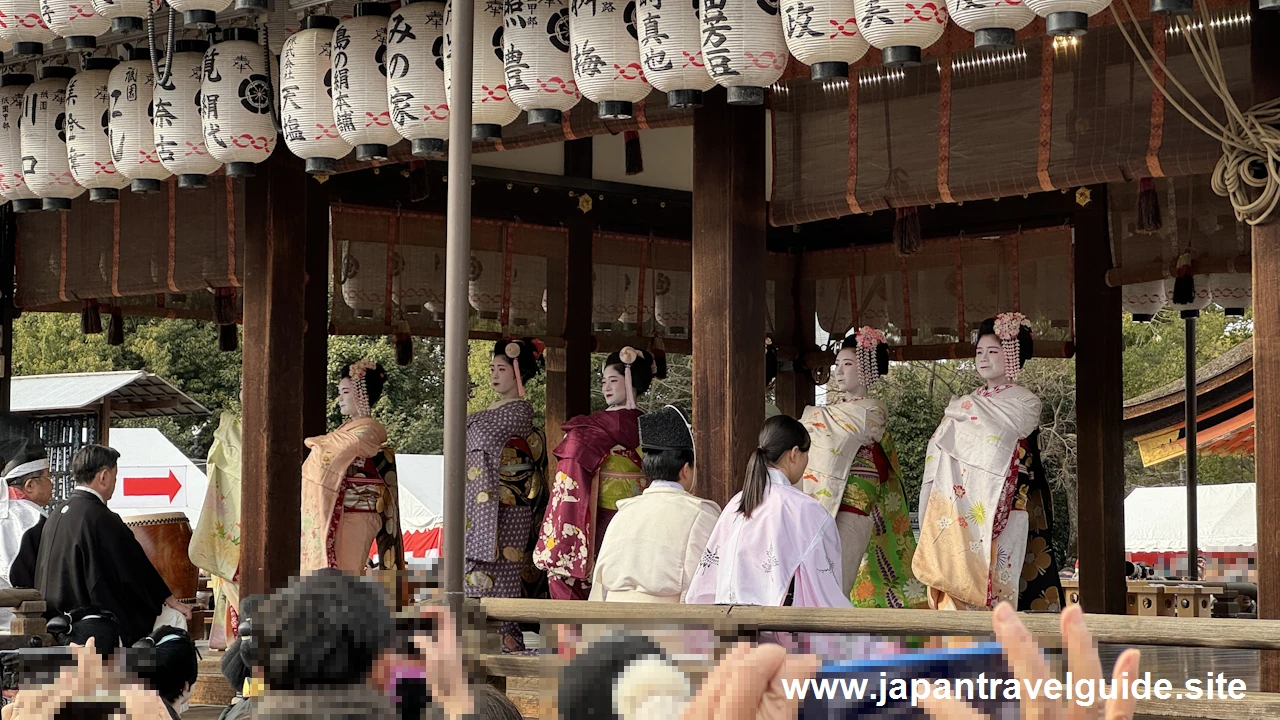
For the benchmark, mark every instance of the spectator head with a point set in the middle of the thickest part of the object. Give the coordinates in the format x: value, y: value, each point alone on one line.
x: 28, y: 471
x: 621, y: 677
x: 491, y: 704
x: 667, y: 442
x: 166, y: 662
x: 326, y: 629
x: 97, y: 624
x: 95, y: 467
x: 235, y: 666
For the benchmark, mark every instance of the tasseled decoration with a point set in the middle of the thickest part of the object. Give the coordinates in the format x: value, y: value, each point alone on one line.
x: 228, y: 338
x: 90, y: 318
x: 404, y: 345
x: 906, y: 231
x: 635, y: 158
x: 1148, y: 206
x: 419, y: 187
x: 224, y: 306
x: 1184, y: 282
x: 115, y: 327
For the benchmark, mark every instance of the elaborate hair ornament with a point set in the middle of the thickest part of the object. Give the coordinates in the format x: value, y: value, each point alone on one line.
x: 629, y: 355
x: 1008, y: 326
x: 539, y: 348
x: 513, y: 351
x: 357, y: 371
x: 868, y: 341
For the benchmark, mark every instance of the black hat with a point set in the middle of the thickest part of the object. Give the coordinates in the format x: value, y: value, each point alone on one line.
x: 665, y: 430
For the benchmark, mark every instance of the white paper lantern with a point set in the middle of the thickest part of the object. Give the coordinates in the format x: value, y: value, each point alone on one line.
x: 901, y: 28
x: 1144, y: 300
x: 411, y: 281
x: 13, y: 184
x: 364, y: 277
x: 994, y: 23
x: 671, y: 304
x: 632, y: 307
x: 306, y: 96
x: 360, y: 105
x: 608, y: 295
x: 178, y: 130
x: 1199, y: 300
x: 744, y: 47
x: 491, y: 105
x: 22, y: 25
x: 126, y: 15
x: 133, y: 144
x: 824, y: 35
x: 528, y: 287
x: 1233, y: 292
x: 1067, y: 18
x: 74, y: 20
x: 606, y: 55
x: 415, y: 76
x: 88, y: 133
x: 831, y: 297
x: 539, y: 71
x: 44, y: 139
x: 435, y: 285
x: 671, y: 51
x: 5, y: 46
x: 201, y: 14
x: 484, y: 290
x: 236, y: 93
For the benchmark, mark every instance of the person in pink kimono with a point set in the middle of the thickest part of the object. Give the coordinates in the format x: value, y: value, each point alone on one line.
x: 773, y: 544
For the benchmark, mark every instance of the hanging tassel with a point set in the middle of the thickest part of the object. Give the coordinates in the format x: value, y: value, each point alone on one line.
x: 419, y: 185
x: 115, y: 328
x: 228, y: 338
x: 224, y: 306
x: 1148, y: 206
x: 403, y: 341
x: 90, y: 318
x: 635, y: 158
x: 906, y: 231
x: 1184, y: 282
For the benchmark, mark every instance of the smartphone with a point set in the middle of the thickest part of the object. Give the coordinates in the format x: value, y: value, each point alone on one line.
x: 884, y: 686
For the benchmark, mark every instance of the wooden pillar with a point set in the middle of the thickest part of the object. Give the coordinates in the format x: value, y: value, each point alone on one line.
x: 795, y: 321
x: 1099, y: 412
x: 569, y: 369
x: 1265, y: 61
x: 728, y: 291
x: 8, y: 257
x: 315, y: 344
x: 274, y: 330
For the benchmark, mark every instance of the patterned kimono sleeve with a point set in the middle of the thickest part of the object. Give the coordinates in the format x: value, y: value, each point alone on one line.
x: 482, y: 507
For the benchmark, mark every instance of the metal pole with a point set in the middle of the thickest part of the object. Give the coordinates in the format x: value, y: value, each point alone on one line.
x: 1193, y: 544
x: 457, y: 275
x: 8, y: 256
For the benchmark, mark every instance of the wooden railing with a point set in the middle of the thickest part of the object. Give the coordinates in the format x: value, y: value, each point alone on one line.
x: 744, y: 621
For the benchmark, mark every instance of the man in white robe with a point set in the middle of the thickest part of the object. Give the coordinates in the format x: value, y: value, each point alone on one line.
x: 28, y: 488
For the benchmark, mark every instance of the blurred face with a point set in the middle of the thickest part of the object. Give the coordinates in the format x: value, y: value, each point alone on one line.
x: 989, y: 358
x: 845, y: 373
x: 502, y: 377
x: 346, y: 397
x: 614, y: 387
x: 40, y: 489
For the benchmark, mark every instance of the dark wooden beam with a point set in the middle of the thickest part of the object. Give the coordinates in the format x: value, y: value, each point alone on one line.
x: 315, y: 344
x: 1265, y: 62
x: 728, y: 291
x: 274, y: 330
x: 795, y: 320
x: 1099, y: 414
x: 8, y: 257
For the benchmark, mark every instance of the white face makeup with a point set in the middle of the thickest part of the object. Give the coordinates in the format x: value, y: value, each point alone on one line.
x: 346, y: 397
x: 989, y: 359
x: 614, y: 387
x: 502, y: 377
x: 845, y: 373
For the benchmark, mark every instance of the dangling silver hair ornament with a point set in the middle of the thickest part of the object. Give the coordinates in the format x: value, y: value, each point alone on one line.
x: 868, y: 340
x: 357, y: 372
x: 1008, y: 326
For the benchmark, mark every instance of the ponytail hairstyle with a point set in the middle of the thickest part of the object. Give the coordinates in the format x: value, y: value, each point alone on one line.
x: 779, y: 435
x: 525, y: 354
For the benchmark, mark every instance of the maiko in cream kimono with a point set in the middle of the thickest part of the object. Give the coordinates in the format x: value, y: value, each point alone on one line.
x: 215, y: 544
x: 973, y: 538
x: 838, y: 432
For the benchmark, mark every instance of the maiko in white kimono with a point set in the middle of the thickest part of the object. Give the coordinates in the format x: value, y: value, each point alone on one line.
x: 973, y: 538
x: 789, y: 546
x: 653, y: 545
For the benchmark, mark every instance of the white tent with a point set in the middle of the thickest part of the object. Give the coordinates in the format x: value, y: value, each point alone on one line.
x: 155, y: 477
x: 1155, y: 518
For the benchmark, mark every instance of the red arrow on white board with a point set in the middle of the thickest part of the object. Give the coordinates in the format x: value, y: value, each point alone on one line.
x: 153, y: 486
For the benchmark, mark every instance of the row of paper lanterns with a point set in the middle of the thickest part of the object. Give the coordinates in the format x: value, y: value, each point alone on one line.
x: 1233, y: 292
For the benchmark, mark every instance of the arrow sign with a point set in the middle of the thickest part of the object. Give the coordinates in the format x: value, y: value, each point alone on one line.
x: 152, y: 486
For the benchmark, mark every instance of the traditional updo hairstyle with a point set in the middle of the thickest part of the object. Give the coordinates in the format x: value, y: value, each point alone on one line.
x: 527, y: 353
x: 881, y: 353
x: 1026, y: 344
x: 779, y: 435
x: 374, y: 381
x: 171, y: 666
x: 644, y: 369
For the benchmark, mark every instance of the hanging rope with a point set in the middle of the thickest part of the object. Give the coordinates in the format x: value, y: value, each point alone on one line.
x: 1248, y: 173
x: 161, y: 81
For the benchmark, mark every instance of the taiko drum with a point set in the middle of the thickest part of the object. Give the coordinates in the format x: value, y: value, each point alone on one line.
x: 165, y: 538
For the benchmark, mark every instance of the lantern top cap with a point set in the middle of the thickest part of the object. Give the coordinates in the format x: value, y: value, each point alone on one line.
x: 373, y: 9
x: 191, y: 45
x: 12, y: 79
x: 319, y: 22
x: 57, y: 72
x: 100, y: 63
x: 246, y: 34
x: 141, y: 53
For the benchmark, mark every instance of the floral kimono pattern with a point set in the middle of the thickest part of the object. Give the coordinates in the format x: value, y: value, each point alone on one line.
x: 973, y: 529
x: 215, y: 543
x: 885, y: 579
x: 598, y: 464
x: 837, y: 432
x: 1040, y: 588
